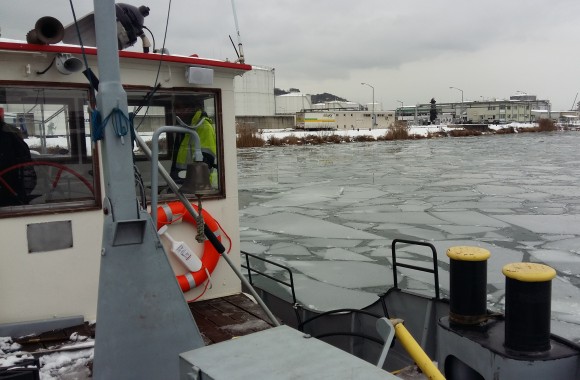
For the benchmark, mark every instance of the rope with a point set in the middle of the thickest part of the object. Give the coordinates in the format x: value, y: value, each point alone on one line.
x: 227, y: 236
x: 200, y: 236
x: 121, y: 123
x: 96, y: 122
x: 207, y: 284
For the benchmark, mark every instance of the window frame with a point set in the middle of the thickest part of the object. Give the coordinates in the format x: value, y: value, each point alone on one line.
x: 172, y: 92
x: 82, y: 155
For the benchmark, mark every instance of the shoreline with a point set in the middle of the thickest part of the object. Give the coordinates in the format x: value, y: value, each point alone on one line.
x: 248, y: 138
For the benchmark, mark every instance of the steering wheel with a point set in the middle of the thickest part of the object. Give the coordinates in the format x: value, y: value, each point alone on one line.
x: 61, y: 168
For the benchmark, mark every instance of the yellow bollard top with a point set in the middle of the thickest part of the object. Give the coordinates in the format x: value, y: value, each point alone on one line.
x: 467, y: 253
x: 529, y: 272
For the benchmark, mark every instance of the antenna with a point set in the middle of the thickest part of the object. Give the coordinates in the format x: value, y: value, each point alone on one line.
x: 234, y: 45
x: 241, y: 58
x: 574, y: 102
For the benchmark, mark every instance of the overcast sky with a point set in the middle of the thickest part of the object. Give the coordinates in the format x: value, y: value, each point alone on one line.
x: 410, y: 51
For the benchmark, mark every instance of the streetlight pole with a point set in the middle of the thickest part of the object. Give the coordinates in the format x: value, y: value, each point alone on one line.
x: 450, y: 87
x: 373, y: 123
x: 523, y: 93
x: 402, y: 105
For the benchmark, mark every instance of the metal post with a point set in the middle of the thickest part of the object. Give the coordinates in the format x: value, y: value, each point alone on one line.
x: 155, y: 161
x: 402, y: 105
x: 143, y: 321
x: 173, y: 186
x: 461, y: 101
x: 240, y: 46
x: 373, y: 122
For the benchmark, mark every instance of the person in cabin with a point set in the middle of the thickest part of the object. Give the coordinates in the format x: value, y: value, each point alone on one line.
x: 17, y: 184
x: 194, y: 115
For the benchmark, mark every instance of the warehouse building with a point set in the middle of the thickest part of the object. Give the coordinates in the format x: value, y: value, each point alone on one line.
x: 519, y: 108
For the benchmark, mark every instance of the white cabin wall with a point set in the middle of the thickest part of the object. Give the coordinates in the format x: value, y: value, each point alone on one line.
x: 224, y: 211
x: 46, y: 285
x: 52, y: 284
x: 65, y: 282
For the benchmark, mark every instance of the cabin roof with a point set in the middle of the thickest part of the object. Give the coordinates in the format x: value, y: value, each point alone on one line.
x: 16, y: 45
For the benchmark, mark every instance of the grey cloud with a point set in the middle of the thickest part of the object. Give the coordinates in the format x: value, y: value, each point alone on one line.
x: 314, y: 41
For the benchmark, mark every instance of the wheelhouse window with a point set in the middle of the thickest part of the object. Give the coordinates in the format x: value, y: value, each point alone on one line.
x: 46, y: 155
x: 196, y: 110
x: 48, y: 162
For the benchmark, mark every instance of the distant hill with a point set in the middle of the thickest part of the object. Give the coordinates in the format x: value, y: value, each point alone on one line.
x: 279, y: 91
x: 326, y: 97
x: 318, y: 98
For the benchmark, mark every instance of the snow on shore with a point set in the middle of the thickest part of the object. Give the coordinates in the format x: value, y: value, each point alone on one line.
x: 420, y: 130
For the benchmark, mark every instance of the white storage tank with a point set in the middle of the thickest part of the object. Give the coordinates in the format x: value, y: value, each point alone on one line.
x: 254, y: 92
x: 337, y: 104
x: 293, y: 102
x: 378, y: 106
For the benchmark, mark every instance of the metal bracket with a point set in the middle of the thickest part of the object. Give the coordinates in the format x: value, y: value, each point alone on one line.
x: 128, y: 232
x: 386, y: 331
x: 195, y: 373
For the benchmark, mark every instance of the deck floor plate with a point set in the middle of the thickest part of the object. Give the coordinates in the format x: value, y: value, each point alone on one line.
x: 280, y: 353
x: 218, y: 320
x: 224, y: 318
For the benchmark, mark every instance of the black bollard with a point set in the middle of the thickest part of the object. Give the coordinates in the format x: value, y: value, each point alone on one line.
x: 468, y: 284
x: 528, y: 294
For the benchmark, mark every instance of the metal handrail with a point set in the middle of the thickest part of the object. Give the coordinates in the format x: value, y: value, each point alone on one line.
x: 357, y: 335
x: 435, y: 269
x: 337, y: 311
x: 250, y: 270
x: 352, y: 313
x: 153, y: 156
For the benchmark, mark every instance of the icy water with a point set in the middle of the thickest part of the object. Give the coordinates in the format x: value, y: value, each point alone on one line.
x: 331, y: 212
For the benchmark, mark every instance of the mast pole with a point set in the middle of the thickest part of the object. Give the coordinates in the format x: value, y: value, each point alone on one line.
x: 143, y: 321
x: 240, y: 47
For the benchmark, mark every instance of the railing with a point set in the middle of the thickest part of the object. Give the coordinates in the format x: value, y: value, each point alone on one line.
x: 350, y: 312
x: 435, y: 269
x: 250, y: 270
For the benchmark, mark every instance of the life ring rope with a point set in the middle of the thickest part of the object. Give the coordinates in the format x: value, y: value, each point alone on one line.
x: 179, y: 217
x: 174, y: 212
x: 226, y: 235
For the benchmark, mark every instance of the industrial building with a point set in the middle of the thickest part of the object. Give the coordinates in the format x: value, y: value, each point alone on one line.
x: 257, y: 107
x: 519, y: 108
x: 343, y: 119
x: 254, y: 92
x: 364, y: 119
x: 255, y: 102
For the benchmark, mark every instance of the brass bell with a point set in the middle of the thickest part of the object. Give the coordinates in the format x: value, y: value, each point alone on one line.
x: 197, y: 179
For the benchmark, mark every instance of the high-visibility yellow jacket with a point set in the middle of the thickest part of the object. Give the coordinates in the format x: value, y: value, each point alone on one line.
x: 207, y: 138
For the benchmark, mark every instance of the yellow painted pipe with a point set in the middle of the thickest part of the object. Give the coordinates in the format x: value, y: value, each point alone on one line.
x: 415, y: 351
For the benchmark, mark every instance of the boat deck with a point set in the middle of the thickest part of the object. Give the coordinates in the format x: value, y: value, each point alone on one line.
x: 218, y: 320
x: 228, y: 317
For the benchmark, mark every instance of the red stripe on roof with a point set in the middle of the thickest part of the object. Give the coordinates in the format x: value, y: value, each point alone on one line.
x: 21, y: 46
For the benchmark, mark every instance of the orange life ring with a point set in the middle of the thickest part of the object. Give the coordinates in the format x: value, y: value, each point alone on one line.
x: 174, y: 211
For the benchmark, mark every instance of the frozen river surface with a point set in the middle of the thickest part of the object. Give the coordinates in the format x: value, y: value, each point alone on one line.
x: 331, y: 212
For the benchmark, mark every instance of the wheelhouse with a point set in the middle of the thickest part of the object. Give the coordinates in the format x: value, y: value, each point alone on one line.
x: 51, y: 230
